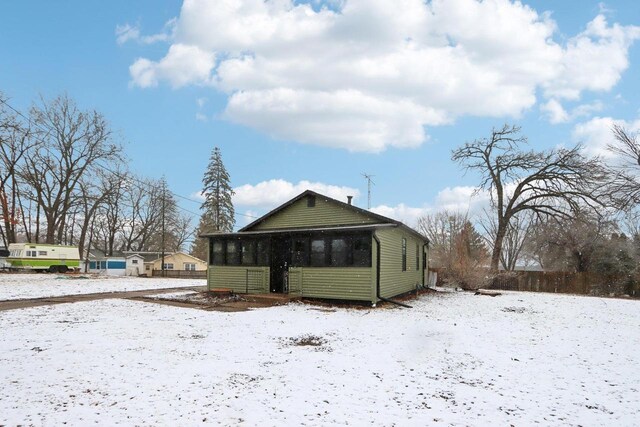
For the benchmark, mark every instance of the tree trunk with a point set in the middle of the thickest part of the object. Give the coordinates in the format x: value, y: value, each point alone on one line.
x: 497, y: 247
x: 50, y: 237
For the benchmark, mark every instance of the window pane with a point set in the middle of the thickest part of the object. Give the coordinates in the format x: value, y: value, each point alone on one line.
x: 299, y: 254
x: 317, y: 253
x: 249, y: 252
x: 233, y: 252
x: 217, y: 252
x: 263, y: 252
x: 339, y: 252
x: 362, y: 251
x: 417, y: 257
x: 404, y: 254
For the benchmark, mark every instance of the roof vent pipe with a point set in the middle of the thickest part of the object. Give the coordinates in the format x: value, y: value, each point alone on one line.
x: 349, y: 199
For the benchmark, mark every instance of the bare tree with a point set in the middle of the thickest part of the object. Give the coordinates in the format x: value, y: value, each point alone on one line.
x: 550, y: 183
x: 16, y: 143
x: 571, y: 244
x: 625, y: 185
x: 182, y: 231
x: 94, y: 193
x: 455, y: 246
x: 74, y: 144
x: 144, y: 202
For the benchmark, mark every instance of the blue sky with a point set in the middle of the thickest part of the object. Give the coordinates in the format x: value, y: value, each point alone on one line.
x: 324, y: 91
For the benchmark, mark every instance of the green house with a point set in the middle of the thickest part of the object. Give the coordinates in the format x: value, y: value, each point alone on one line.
x: 314, y: 246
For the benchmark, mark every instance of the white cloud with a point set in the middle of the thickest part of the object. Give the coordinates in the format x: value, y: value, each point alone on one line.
x: 369, y: 74
x: 403, y: 213
x: 127, y: 32
x: 593, y: 60
x: 182, y: 65
x: 464, y: 199
x: 556, y: 113
x: 347, y: 119
x: 270, y: 194
x: 201, y: 117
x: 596, y: 134
x: 461, y: 199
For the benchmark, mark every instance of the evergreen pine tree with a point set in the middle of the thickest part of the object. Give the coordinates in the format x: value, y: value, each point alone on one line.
x: 218, y: 212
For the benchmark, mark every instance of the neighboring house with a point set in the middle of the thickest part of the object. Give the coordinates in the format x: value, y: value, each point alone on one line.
x: 172, y: 260
x: 318, y: 247
x: 116, y: 264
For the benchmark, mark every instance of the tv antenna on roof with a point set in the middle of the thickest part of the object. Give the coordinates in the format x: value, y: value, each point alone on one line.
x: 369, y: 182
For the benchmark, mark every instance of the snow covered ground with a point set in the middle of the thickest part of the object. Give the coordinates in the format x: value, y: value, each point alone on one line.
x: 23, y: 286
x: 454, y: 359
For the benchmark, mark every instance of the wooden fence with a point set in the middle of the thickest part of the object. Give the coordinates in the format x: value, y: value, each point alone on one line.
x: 566, y: 283
x: 181, y: 274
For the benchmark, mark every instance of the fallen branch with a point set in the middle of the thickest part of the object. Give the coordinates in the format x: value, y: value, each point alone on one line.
x: 487, y: 293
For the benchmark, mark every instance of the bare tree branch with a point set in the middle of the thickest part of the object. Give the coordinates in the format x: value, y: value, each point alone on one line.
x: 549, y: 183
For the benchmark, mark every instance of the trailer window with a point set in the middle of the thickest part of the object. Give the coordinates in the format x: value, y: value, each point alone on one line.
x: 42, y: 253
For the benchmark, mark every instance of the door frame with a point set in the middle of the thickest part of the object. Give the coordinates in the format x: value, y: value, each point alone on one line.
x: 280, y: 262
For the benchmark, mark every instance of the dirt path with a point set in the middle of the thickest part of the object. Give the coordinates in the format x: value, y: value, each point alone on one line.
x: 36, y: 302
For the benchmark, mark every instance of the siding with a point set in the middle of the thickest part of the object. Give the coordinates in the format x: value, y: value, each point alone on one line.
x: 236, y: 278
x: 347, y: 283
x: 324, y: 213
x: 394, y: 281
x: 178, y: 259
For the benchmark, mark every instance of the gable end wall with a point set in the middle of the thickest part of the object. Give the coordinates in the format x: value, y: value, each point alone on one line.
x: 324, y: 213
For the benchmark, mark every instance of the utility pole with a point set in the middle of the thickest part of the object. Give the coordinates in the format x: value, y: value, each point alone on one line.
x: 163, y: 202
x: 369, y: 182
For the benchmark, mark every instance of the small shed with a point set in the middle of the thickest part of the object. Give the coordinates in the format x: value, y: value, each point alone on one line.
x: 134, y: 264
x: 318, y: 247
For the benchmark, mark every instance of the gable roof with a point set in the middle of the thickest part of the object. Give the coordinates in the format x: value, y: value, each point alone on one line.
x: 100, y: 254
x: 379, y: 219
x: 156, y: 256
